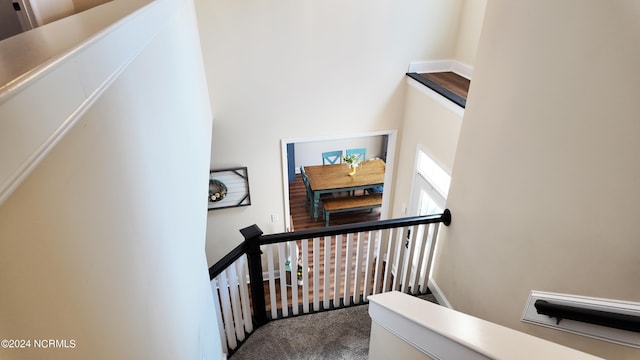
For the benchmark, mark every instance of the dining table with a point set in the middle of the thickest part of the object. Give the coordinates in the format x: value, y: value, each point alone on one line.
x: 326, y: 179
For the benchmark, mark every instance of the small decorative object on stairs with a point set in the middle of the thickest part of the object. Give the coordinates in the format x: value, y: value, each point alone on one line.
x: 299, y: 275
x: 352, y: 162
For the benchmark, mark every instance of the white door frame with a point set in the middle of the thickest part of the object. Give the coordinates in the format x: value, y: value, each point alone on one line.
x: 388, y: 174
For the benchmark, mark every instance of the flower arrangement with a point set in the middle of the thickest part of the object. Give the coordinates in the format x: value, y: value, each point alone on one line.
x: 352, y: 159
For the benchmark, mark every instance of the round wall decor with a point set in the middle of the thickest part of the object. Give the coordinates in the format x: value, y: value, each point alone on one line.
x: 217, y: 190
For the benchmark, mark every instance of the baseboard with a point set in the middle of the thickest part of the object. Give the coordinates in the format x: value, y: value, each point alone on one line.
x: 462, y: 69
x: 430, y: 66
x: 276, y: 275
x: 438, y: 294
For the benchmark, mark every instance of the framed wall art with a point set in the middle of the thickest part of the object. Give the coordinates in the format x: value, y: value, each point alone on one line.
x: 229, y: 188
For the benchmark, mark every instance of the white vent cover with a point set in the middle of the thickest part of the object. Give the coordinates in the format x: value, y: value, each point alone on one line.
x: 622, y: 337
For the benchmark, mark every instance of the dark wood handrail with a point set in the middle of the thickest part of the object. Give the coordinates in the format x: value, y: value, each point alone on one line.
x: 241, y: 249
x: 444, y: 218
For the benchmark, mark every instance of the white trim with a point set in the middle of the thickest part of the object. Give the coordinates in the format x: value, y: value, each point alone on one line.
x: 124, y: 39
x: 335, y: 137
x: 616, y: 336
x: 436, y: 346
x: 388, y: 175
x: 438, y: 294
x: 460, y: 68
x: 25, y: 15
x: 446, y: 103
x: 430, y: 66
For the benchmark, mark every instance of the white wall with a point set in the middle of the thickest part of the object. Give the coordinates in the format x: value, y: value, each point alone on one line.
x: 297, y: 69
x: 310, y: 153
x: 431, y: 126
x: 82, y: 5
x: 103, y: 243
x: 47, y: 11
x: 545, y: 182
x: 384, y: 345
x: 471, y: 17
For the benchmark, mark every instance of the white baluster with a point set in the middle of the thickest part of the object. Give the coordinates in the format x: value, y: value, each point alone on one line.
x: 348, y: 257
x: 400, y: 249
x: 226, y: 310
x: 336, y: 278
x: 408, y: 262
x: 369, y: 269
x: 272, y: 285
x: 422, y: 235
x: 305, y: 275
x: 282, y: 259
x: 293, y: 250
x: 217, y: 309
x: 236, y: 308
x: 243, y: 270
x: 357, y: 283
x: 316, y: 274
x: 391, y: 251
x: 327, y: 271
x: 378, y: 274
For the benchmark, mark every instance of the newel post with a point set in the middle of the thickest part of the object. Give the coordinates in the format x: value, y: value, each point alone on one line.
x: 252, y: 240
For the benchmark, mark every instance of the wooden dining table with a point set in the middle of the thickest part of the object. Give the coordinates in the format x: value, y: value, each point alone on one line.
x: 324, y: 179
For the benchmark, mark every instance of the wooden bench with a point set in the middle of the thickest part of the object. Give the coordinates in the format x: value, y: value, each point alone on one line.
x: 350, y: 203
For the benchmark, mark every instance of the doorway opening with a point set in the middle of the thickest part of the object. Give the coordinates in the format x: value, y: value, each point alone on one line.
x: 308, y: 151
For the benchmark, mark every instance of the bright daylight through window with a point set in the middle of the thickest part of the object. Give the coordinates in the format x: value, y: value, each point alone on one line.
x: 431, y: 184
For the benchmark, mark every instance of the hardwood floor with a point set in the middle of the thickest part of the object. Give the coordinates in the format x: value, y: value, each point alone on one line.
x: 301, y: 219
x: 448, y: 84
x: 454, y: 82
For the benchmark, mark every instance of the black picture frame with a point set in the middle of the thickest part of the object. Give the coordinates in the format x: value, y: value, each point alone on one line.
x: 229, y: 188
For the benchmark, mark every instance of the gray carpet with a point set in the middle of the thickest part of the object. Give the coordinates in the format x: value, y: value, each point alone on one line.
x: 336, y: 334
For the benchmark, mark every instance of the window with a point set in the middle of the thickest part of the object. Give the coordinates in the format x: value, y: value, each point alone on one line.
x: 433, y: 173
x: 430, y: 186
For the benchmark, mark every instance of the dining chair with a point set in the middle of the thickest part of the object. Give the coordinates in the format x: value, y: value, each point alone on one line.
x: 332, y: 157
x: 308, y: 201
x: 360, y: 152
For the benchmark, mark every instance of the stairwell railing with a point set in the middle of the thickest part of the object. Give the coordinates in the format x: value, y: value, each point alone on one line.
x: 274, y: 276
